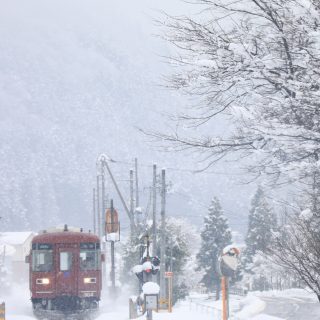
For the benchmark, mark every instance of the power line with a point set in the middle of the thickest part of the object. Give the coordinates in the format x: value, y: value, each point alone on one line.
x: 177, y: 169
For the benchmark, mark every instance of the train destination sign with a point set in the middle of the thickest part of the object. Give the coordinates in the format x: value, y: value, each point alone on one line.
x: 89, y: 245
x: 42, y: 246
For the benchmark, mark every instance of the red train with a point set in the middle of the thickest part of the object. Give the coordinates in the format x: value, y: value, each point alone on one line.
x: 65, y: 270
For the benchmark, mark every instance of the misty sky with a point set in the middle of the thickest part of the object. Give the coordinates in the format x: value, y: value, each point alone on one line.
x: 77, y: 79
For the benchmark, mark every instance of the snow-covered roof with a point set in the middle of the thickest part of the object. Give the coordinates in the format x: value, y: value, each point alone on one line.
x: 14, y: 238
x: 7, y: 250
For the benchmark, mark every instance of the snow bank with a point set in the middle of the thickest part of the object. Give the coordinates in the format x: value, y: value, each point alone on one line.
x: 289, y: 293
x: 265, y: 317
x: 251, y: 306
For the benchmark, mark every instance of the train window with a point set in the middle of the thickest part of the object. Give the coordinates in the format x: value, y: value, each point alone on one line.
x: 42, y: 260
x: 89, y: 259
x: 65, y: 261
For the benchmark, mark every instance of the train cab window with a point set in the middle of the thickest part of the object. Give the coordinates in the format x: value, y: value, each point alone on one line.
x: 89, y: 260
x: 65, y: 261
x: 42, y: 260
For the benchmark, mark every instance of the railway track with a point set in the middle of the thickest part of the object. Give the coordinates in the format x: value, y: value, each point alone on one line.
x: 66, y: 315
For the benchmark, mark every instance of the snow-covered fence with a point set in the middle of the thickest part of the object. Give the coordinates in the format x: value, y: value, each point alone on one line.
x: 238, y: 291
x: 201, y: 306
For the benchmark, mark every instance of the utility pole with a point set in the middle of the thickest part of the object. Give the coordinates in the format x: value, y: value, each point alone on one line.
x: 162, y: 239
x: 154, y: 211
x: 132, y: 225
x: 94, y: 211
x: 103, y: 195
x: 98, y: 205
x: 113, y: 274
x: 137, y: 182
x: 102, y: 221
x: 131, y: 194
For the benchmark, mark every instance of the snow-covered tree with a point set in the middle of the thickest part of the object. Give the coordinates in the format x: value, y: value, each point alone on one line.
x: 253, y: 64
x: 214, y: 237
x: 296, y: 247
x: 262, y: 223
x: 181, y: 243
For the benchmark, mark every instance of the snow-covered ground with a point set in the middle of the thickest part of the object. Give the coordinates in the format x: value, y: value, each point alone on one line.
x: 294, y: 304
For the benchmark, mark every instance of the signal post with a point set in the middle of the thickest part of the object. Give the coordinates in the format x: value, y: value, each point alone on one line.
x: 169, y: 275
x: 112, y: 233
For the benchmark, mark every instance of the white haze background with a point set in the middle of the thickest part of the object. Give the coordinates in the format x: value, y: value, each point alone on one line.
x: 77, y: 78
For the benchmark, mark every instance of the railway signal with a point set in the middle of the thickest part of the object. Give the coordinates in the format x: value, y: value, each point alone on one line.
x: 150, y: 299
x: 112, y: 234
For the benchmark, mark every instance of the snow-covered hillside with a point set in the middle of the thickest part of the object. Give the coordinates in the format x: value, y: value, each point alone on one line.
x: 78, y: 78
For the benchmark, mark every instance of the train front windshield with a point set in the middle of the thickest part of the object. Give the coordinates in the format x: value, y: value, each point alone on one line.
x: 90, y: 256
x: 42, y: 258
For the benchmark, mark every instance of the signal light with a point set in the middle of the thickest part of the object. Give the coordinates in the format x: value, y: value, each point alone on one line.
x: 155, y: 261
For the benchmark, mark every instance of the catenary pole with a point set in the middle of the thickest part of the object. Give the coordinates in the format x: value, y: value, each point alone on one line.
x: 98, y: 206
x: 113, y: 274
x: 132, y: 226
x: 103, y: 196
x: 131, y: 194
x: 154, y: 211
x: 94, y: 211
x: 137, y: 182
x: 162, y: 239
x: 102, y: 220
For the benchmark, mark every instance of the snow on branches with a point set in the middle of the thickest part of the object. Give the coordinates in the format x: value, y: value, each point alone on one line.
x: 256, y: 65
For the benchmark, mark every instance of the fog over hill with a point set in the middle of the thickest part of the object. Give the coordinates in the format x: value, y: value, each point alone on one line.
x: 77, y: 78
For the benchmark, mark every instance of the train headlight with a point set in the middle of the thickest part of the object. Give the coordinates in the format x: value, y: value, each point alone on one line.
x: 89, y: 280
x: 43, y: 281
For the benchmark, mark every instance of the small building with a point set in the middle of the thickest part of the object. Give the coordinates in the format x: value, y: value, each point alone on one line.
x: 14, y: 247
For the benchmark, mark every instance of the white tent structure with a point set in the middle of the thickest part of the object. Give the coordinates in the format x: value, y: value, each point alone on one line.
x: 14, y: 247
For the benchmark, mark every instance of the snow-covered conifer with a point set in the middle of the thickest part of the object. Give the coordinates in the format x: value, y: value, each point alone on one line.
x: 214, y: 237
x: 261, y: 225
x: 262, y: 222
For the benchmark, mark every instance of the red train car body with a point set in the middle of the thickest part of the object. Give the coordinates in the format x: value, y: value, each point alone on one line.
x: 65, y: 271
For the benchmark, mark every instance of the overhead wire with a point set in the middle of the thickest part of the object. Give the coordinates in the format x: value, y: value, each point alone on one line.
x: 177, y: 169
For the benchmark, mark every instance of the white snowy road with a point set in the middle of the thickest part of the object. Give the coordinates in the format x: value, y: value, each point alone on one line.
x: 18, y: 307
x: 292, y: 308
x: 285, y: 305
x: 292, y: 304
